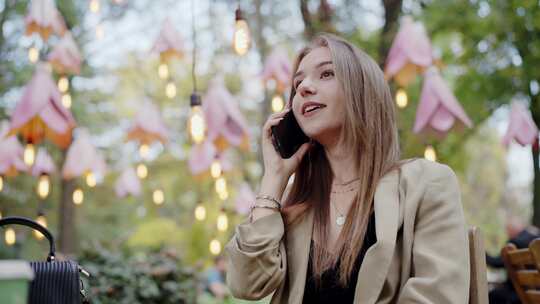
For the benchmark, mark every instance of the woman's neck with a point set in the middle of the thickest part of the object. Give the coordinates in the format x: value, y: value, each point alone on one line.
x: 342, y: 163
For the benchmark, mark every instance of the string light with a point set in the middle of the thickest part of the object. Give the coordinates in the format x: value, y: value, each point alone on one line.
x: 158, y: 197
x: 66, y: 100
x: 44, y: 186
x: 401, y: 98
x: 163, y: 71
x: 196, y: 122
x: 78, y: 196
x: 222, y: 222
x: 63, y: 84
x: 277, y: 103
x: 215, y: 247
x: 215, y: 169
x: 170, y: 89
x: 200, y: 213
x: 33, y: 54
x: 221, y: 185
x: 241, y: 37
x: 142, y: 171
x: 143, y: 151
x: 430, y: 154
x: 10, y: 237
x: 1, y: 183
x: 29, y: 154
x: 94, y: 6
x: 91, y: 179
x: 43, y: 222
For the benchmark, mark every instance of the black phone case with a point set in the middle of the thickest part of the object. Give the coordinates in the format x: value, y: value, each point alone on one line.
x: 288, y: 136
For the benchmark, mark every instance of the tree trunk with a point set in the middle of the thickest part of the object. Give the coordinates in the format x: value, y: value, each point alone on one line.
x: 392, y: 9
x: 66, y: 217
x: 320, y: 22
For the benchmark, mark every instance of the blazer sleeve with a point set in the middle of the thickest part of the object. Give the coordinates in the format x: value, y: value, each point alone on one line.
x: 440, y: 252
x: 257, y: 260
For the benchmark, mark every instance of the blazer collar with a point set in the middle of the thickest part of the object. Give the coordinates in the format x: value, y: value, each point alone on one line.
x: 376, y: 263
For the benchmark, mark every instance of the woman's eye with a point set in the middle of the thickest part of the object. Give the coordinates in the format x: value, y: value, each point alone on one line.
x: 326, y: 74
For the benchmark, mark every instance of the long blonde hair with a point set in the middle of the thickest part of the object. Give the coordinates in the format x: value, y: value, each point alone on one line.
x: 370, y: 132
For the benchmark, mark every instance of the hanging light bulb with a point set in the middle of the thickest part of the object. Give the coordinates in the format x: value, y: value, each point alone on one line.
x: 66, y: 100
x: 29, y: 154
x: 10, y: 236
x: 91, y: 179
x: 222, y: 222
x: 200, y: 213
x: 215, y: 247
x: 430, y: 153
x: 158, y: 197
x: 170, y: 89
x: 143, y: 151
x: 401, y: 98
x: 78, y: 196
x: 215, y: 169
x: 163, y: 71
x: 1, y: 182
x: 142, y: 171
x: 241, y: 37
x: 44, y: 186
x: 277, y: 103
x: 100, y: 32
x: 221, y: 185
x: 63, y: 84
x: 43, y: 222
x: 94, y: 6
x: 196, y: 122
x: 33, y: 54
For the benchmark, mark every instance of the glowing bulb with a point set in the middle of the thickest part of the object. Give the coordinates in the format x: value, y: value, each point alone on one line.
x: 222, y: 222
x: 241, y: 37
x: 221, y: 185
x: 143, y: 150
x: 196, y: 125
x: 158, y: 197
x: 401, y: 98
x: 200, y: 213
x: 163, y: 71
x: 78, y: 196
x: 33, y: 54
x: 215, y: 169
x: 142, y: 171
x: 91, y: 179
x: 63, y: 84
x: 44, y: 186
x: 94, y: 6
x: 29, y: 154
x: 100, y: 33
x: 43, y: 222
x: 430, y: 154
x: 215, y: 247
x: 170, y: 90
x: 1, y: 183
x: 10, y: 236
x: 277, y: 103
x: 66, y: 101
x: 0, y: 215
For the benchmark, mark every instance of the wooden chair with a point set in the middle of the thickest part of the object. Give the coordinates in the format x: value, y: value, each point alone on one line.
x: 478, y: 290
x: 522, y: 266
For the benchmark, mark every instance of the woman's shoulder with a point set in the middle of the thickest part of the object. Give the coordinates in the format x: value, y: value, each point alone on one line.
x: 421, y: 170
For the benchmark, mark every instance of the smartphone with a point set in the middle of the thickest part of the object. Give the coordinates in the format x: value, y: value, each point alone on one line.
x: 288, y: 136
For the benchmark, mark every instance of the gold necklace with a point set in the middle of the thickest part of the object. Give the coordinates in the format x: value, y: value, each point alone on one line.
x: 340, y: 219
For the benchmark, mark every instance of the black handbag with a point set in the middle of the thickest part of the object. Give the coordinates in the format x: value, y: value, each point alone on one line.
x: 54, y: 281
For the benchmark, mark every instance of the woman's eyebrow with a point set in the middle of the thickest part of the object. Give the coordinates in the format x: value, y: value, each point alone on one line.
x: 320, y: 64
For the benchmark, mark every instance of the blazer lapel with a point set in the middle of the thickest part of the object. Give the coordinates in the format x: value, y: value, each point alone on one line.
x: 374, y: 268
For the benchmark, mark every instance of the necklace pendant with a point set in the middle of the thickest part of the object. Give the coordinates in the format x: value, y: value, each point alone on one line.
x: 340, y: 220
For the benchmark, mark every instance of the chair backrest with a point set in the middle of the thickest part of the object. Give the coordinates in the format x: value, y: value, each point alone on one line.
x: 478, y: 291
x: 522, y: 266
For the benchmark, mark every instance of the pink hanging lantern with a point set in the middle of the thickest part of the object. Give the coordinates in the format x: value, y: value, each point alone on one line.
x: 225, y: 122
x: 43, y: 164
x: 83, y: 158
x: 410, y: 53
x: 128, y: 184
x: 149, y: 126
x: 245, y: 199
x: 169, y: 43
x: 65, y: 58
x: 521, y: 128
x: 438, y: 109
x: 44, y: 18
x: 278, y: 67
x: 11, y: 153
x: 40, y: 112
x: 202, y: 156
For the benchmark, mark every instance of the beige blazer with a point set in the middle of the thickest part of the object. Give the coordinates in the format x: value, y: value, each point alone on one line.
x: 421, y: 254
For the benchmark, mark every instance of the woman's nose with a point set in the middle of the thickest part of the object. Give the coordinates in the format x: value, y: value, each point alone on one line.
x: 306, y: 89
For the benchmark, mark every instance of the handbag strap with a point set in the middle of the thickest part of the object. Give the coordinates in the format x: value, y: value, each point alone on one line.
x: 19, y: 220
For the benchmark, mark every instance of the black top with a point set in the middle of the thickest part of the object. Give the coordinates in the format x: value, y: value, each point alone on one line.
x: 330, y: 291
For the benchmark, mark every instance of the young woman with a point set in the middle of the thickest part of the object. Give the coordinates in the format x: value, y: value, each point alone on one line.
x: 357, y: 225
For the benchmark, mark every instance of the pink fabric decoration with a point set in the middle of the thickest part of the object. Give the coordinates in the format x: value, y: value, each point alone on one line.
x: 224, y: 120
x: 521, y: 128
x: 65, y: 57
x: 201, y: 157
x: 128, y: 184
x: 148, y: 126
x: 44, y: 164
x: 40, y: 112
x: 278, y: 67
x: 82, y: 157
x: 44, y: 18
x: 11, y: 153
x: 409, y: 54
x: 438, y: 109
x: 169, y: 43
x: 244, y: 199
